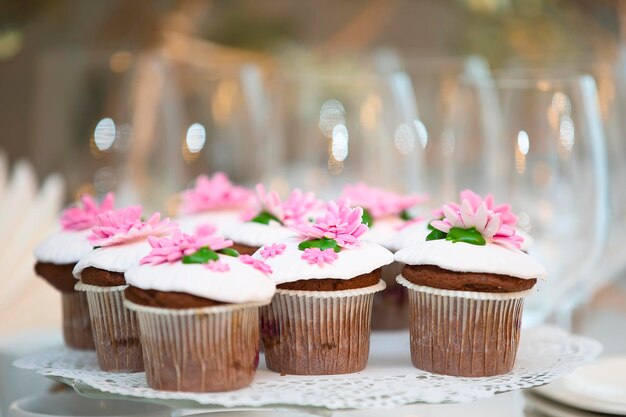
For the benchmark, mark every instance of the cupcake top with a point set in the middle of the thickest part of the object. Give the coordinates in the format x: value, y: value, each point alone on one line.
x: 410, y: 235
x: 119, y: 239
x: 331, y: 247
x: 475, y: 236
x: 384, y: 212
x: 70, y: 244
x: 202, y: 265
x: 272, y: 217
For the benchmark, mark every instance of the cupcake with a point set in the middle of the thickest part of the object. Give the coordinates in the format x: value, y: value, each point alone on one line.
x: 466, y: 283
x: 119, y: 240
x: 271, y: 220
x: 319, y: 320
x: 56, y: 257
x: 387, y: 214
x: 197, y: 304
x: 214, y: 201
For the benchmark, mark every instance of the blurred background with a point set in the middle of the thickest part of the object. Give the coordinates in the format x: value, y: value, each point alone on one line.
x: 525, y: 99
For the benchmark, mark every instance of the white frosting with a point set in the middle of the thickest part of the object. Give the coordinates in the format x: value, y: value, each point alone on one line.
x: 242, y: 284
x: 289, y: 266
x: 257, y: 234
x: 413, y: 234
x: 221, y: 219
x: 64, y: 247
x: 465, y: 257
x: 117, y: 258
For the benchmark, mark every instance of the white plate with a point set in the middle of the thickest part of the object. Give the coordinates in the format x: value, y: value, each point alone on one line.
x: 538, y: 406
x: 599, y: 387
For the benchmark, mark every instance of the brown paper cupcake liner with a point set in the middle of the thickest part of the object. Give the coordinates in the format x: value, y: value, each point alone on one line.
x: 76, y: 322
x: 390, y: 309
x: 115, y: 329
x: 318, y: 332
x: 464, y: 333
x: 209, y: 349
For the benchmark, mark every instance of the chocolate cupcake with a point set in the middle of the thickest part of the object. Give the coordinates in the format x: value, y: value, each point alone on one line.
x: 387, y: 214
x: 319, y: 320
x: 214, y: 201
x: 466, y: 283
x: 119, y: 238
x: 271, y: 220
x: 197, y: 304
x: 56, y: 257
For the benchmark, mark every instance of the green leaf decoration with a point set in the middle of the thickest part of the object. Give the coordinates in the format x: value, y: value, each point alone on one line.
x: 436, y: 234
x: 367, y: 218
x: 323, y: 244
x: 229, y: 252
x: 405, y: 215
x: 201, y: 256
x: 471, y: 236
x: 97, y: 247
x: 265, y: 217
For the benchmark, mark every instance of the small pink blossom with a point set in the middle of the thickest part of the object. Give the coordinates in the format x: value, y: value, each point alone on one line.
x: 257, y: 264
x: 173, y: 249
x: 379, y: 202
x: 83, y: 216
x: 292, y: 211
x: 217, y: 266
x: 340, y: 222
x: 472, y: 213
x: 319, y: 257
x: 116, y: 227
x: 214, y: 193
x: 273, y: 250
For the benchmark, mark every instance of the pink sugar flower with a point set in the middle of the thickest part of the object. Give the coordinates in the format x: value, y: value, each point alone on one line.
x: 273, y: 250
x: 487, y: 222
x: 504, y: 210
x: 217, y: 266
x: 319, y: 257
x: 83, y: 216
x: 379, y: 202
x: 292, y: 211
x: 116, y: 227
x: 173, y: 249
x: 340, y: 222
x: 214, y: 193
x: 256, y: 264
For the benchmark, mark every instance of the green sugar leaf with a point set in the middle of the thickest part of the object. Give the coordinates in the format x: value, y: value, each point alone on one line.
x: 201, y: 256
x: 322, y: 244
x: 436, y: 234
x: 229, y: 252
x: 471, y: 236
x: 265, y: 217
x: 405, y: 215
x: 367, y: 218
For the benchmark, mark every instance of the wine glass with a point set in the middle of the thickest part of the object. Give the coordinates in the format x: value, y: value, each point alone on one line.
x: 544, y: 150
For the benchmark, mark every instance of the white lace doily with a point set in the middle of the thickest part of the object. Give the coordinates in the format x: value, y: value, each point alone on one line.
x: 545, y: 353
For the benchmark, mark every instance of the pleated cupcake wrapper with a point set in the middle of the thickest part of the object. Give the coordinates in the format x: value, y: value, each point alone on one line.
x: 464, y: 333
x: 318, y: 332
x: 390, y: 310
x: 115, y: 329
x: 77, y: 331
x: 208, y: 349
